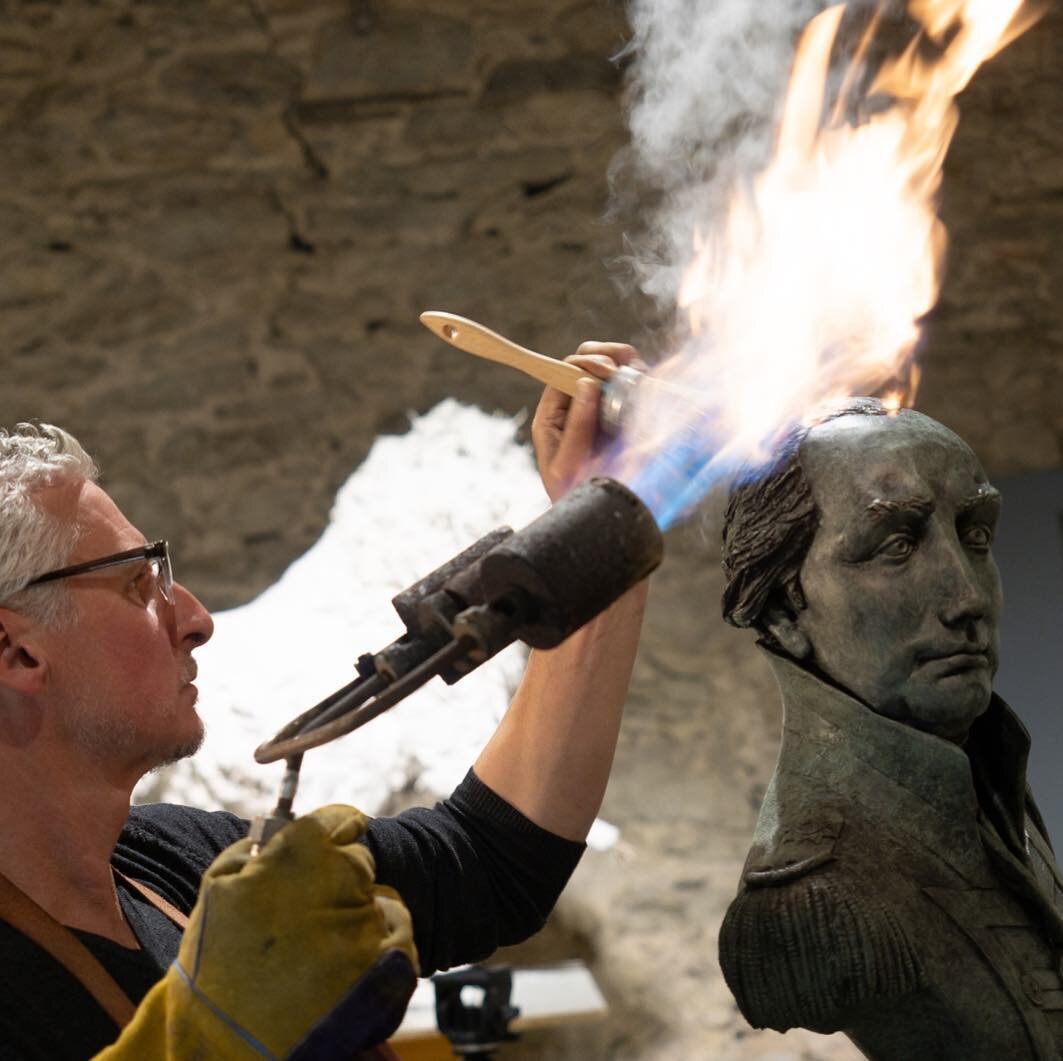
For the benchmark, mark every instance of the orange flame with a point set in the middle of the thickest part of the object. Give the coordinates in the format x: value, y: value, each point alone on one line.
x: 813, y: 287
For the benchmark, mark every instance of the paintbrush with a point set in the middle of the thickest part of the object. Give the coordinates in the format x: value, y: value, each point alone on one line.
x: 617, y: 392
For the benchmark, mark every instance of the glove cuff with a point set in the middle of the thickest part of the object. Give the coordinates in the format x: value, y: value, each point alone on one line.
x: 367, y: 1015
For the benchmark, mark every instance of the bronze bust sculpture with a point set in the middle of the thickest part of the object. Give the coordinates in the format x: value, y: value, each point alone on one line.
x: 901, y: 887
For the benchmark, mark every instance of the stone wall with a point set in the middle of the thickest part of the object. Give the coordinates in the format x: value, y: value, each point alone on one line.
x: 220, y: 222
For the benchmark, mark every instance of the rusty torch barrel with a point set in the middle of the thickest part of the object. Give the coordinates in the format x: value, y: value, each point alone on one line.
x: 574, y: 560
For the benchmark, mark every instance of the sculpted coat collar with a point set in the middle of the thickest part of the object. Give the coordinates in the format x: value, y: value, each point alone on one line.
x: 837, y: 750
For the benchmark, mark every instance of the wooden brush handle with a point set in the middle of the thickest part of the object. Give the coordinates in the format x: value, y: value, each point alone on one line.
x: 475, y: 339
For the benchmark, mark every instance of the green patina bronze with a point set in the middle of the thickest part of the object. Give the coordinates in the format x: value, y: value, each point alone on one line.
x: 900, y: 887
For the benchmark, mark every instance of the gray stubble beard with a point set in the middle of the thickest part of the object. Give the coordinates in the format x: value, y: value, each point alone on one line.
x: 104, y: 737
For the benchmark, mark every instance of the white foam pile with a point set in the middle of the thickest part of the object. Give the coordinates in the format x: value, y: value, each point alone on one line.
x: 418, y: 500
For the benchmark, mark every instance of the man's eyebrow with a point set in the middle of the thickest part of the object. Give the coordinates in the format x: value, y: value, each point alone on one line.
x: 881, y: 508
x: 987, y: 495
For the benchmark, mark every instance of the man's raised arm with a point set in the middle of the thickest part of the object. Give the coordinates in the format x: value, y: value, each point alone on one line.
x: 551, y: 754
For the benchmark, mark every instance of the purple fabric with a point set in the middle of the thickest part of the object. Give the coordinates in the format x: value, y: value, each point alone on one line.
x: 366, y: 1016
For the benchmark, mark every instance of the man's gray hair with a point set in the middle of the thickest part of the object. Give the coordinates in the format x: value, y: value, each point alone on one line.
x: 34, y: 457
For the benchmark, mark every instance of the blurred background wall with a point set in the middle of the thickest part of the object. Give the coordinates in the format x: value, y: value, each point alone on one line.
x: 220, y: 220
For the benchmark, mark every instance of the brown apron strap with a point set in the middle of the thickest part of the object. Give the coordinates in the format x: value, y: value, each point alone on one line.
x: 21, y: 912
x: 156, y: 900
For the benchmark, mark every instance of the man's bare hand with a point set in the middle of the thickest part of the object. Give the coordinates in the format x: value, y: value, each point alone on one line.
x: 565, y: 430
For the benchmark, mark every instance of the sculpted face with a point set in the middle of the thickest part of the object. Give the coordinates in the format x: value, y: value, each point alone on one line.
x: 902, y: 590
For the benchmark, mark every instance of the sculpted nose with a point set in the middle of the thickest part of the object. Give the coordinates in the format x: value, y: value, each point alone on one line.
x: 966, y: 588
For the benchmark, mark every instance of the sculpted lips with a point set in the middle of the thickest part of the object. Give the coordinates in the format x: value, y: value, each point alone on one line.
x: 966, y: 656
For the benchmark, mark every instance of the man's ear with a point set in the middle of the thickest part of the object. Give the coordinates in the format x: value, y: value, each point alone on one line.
x: 783, y: 622
x: 22, y: 665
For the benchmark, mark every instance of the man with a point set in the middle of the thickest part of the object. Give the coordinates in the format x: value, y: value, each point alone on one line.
x: 96, y: 688
x: 900, y: 887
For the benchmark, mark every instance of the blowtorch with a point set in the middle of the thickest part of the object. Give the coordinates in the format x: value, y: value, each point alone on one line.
x: 537, y: 585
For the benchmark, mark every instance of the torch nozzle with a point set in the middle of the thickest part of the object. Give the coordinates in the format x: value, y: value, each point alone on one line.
x: 264, y: 828
x: 538, y: 585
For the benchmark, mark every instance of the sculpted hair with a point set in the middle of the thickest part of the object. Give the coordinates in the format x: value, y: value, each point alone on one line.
x: 34, y: 457
x: 770, y: 522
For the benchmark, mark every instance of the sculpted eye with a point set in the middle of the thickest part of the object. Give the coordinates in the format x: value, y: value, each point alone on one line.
x: 978, y: 537
x: 896, y: 547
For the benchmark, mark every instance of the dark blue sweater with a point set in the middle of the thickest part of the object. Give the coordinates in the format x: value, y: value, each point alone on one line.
x: 474, y: 872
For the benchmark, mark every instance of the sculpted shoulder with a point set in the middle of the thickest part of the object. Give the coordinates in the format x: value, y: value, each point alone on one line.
x: 794, y: 847
x: 787, y: 942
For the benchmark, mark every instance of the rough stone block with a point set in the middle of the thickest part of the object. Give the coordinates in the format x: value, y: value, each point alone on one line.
x: 518, y: 78
x: 232, y: 78
x: 394, y: 53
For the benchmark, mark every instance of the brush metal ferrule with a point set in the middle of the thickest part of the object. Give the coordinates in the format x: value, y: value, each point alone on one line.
x: 617, y: 396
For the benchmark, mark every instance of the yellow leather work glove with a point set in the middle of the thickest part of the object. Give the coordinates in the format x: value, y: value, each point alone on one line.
x: 295, y: 953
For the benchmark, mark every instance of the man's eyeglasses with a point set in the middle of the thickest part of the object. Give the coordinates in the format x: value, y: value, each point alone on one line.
x: 157, y: 555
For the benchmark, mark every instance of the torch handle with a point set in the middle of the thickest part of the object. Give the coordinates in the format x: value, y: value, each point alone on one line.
x: 475, y: 339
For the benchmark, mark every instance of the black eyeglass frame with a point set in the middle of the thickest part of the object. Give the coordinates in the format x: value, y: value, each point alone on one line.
x: 159, y: 550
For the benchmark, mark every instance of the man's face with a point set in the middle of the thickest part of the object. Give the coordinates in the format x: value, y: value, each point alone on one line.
x: 903, y: 593
x: 121, y: 671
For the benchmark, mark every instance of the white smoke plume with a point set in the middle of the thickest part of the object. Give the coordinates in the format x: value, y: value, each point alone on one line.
x: 706, y: 79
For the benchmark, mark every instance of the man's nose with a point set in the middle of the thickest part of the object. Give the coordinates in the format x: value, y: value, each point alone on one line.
x: 193, y: 625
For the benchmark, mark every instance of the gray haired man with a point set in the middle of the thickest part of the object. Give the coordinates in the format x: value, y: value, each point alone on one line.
x: 97, y: 686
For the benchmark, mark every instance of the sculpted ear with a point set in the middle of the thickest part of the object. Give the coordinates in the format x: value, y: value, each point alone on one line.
x: 784, y: 624
x: 22, y: 667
